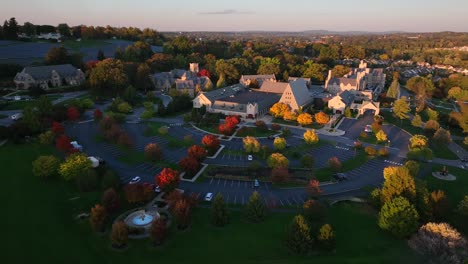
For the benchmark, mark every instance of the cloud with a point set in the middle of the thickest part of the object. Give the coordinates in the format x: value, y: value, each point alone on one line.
x: 226, y: 12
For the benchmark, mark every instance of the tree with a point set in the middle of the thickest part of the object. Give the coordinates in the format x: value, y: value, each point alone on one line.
x: 97, y: 114
x: 44, y: 106
x: 457, y: 93
x: 442, y: 137
x: 29, y: 29
x: 277, y: 161
x: 298, y: 238
x: 255, y: 209
x: 153, y: 152
x: 269, y: 66
x: 72, y: 113
x: 279, y: 109
x: 313, y: 210
x: 119, y: 234
x: 108, y: 77
x: 381, y: 136
x: 335, y: 164
x: 190, y: 165
x: 423, y: 87
x: 304, y: 119
x: 401, y: 108
x: 221, y: 82
x: 398, y: 217
x: 321, y: 118
x: 370, y: 151
x: 394, y: 89
x: 439, y: 204
x: 63, y: 143
x: 158, y: 231
x: 340, y: 70
x: 197, y: 152
x: 398, y: 182
x: 432, y: 115
x: 45, y: 167
x: 279, y: 176
x: 326, y: 237
x: 100, y: 55
x: 290, y: 116
x: 441, y: 242
x: 142, y: 80
x: 57, y: 55
x: 219, y: 212
x: 431, y: 127
x: 211, y: 142
x: 417, y: 121
x: 98, y: 217
x: 251, y: 144
x: 418, y: 141
x: 313, y: 189
x: 134, y: 193
x: 182, y: 213
x: 47, y: 138
x: 279, y: 143
x: 168, y: 179
x: 110, y: 200
x: 57, y: 128
x: 315, y: 71
x: 311, y: 137
x: 11, y: 29
x: 75, y: 165
x: 413, y: 167
x: 63, y: 29
x: 462, y: 207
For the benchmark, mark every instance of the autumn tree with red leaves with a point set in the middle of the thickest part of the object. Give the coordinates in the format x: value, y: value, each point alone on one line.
x: 225, y: 129
x: 204, y: 72
x: 197, y: 152
x: 232, y: 121
x: 153, y: 152
x: 190, y: 165
x: 313, y: 188
x: 97, y: 114
x: 73, y: 114
x: 211, y: 143
x: 110, y: 200
x: 57, y: 128
x: 168, y: 179
x: 63, y: 143
x: 158, y: 231
x: 134, y: 193
x: 182, y: 212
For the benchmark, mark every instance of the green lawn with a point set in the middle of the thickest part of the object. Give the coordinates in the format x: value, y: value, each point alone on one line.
x: 405, y: 124
x: 254, y: 132
x: 40, y: 228
x: 212, y: 129
x: 325, y: 174
x: 455, y: 190
x: 443, y: 152
x: 460, y: 143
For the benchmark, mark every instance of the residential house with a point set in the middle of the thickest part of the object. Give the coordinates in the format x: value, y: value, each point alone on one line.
x: 356, y: 101
x: 49, y: 76
x: 181, y: 79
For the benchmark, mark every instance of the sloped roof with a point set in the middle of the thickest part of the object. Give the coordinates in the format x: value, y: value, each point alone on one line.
x: 223, y: 92
x: 300, y: 92
x: 45, y: 72
x: 347, y: 97
x: 273, y: 87
x: 258, y: 77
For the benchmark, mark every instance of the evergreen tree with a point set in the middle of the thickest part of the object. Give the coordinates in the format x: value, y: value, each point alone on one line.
x: 298, y: 236
x: 100, y: 55
x: 219, y: 212
x: 394, y: 89
x: 399, y: 217
x: 255, y: 209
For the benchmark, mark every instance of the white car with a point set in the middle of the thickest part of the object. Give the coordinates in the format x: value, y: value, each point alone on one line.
x: 135, y: 179
x: 17, y: 116
x: 368, y: 128
x: 208, y: 197
x: 249, y: 158
x: 157, y: 189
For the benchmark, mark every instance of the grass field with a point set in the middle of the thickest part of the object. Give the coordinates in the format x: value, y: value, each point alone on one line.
x: 39, y: 228
x: 455, y: 190
x: 84, y: 43
x: 443, y: 152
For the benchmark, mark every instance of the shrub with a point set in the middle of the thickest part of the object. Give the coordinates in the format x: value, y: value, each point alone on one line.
x: 219, y: 212
x: 110, y: 200
x: 363, y: 134
x: 124, y: 108
x: 298, y: 238
x: 279, y: 176
x: 375, y: 198
x: 47, y: 138
x: 117, y: 117
x: 335, y: 164
x: 383, y: 152
x: 311, y: 137
x: 45, y: 166
x: 307, y: 161
x: 147, y: 114
x: 98, y: 217
x: 370, y: 151
x: 163, y: 130
x: 119, y: 234
x: 275, y: 127
x: 441, y: 242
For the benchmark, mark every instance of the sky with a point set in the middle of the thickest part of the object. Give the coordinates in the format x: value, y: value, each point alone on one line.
x: 242, y: 15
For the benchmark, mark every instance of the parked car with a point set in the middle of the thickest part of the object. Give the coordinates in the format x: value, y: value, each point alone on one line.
x: 256, y: 183
x: 16, y: 116
x: 157, y: 189
x: 340, y: 177
x: 77, y: 146
x: 135, y: 179
x: 208, y: 197
x: 368, y: 128
x: 464, y: 159
x: 249, y: 157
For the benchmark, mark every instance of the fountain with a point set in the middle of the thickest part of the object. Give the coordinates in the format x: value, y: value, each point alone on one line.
x: 142, y: 220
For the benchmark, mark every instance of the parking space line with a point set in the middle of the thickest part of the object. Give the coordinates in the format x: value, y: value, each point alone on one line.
x: 232, y: 183
x: 225, y: 183
x: 282, y: 204
x: 211, y: 180
x: 235, y: 199
x: 219, y: 179
x: 243, y: 200
x: 227, y: 199
x: 287, y: 200
x: 295, y: 200
x: 238, y: 183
